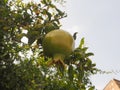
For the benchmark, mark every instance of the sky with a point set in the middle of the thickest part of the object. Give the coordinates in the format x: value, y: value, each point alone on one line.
x: 98, y: 21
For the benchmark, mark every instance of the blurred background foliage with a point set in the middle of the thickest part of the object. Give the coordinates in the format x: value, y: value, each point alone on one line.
x: 22, y: 63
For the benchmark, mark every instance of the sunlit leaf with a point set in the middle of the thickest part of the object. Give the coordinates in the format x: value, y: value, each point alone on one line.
x: 92, y: 88
x: 81, y: 43
x: 5, y: 1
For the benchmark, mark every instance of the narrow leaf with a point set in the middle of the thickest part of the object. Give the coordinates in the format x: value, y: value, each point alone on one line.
x: 70, y: 72
x: 81, y: 43
x: 89, y: 54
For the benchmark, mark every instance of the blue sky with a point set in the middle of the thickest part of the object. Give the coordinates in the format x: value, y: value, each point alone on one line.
x: 99, y: 22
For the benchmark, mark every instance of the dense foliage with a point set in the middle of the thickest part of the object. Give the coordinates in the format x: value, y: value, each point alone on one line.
x: 23, y: 65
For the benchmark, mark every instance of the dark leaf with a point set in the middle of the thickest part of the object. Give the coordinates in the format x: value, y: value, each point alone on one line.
x: 52, y: 6
x: 70, y: 72
x: 49, y: 15
x: 89, y: 63
x: 84, y: 49
x: 88, y: 54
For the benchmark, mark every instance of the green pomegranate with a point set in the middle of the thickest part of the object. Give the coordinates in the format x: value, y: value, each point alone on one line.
x: 58, y: 44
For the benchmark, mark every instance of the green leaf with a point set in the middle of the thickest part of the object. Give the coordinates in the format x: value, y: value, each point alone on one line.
x: 5, y: 1
x: 44, y: 12
x: 92, y: 88
x: 32, y: 36
x: 93, y: 65
x: 89, y: 63
x: 80, y: 75
x: 40, y: 17
x: 84, y: 49
x: 49, y: 15
x: 52, y: 6
x: 60, y: 12
x: 6, y: 27
x: 81, y: 43
x: 56, y: 26
x: 70, y: 72
x: 89, y: 54
x: 44, y: 2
